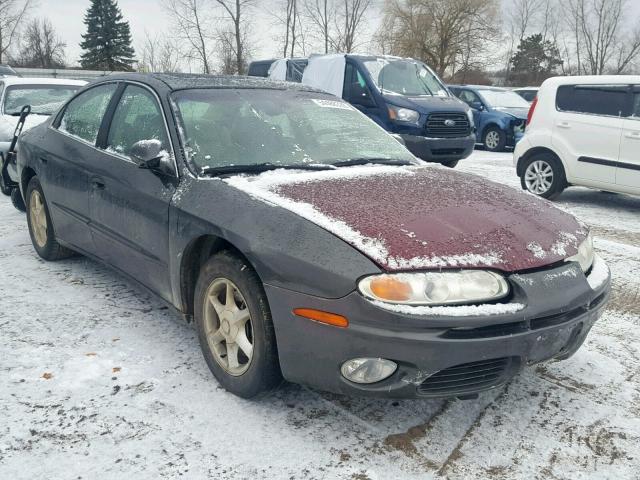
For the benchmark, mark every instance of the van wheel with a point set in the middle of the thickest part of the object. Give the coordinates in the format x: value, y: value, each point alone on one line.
x: 494, y: 139
x: 16, y: 199
x: 41, y: 230
x: 234, y: 327
x: 543, y: 175
x: 450, y: 163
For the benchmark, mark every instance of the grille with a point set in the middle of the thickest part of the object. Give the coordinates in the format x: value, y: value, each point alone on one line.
x: 436, y: 127
x: 468, y: 377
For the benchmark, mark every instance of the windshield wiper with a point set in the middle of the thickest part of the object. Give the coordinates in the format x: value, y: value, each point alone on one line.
x: 259, y: 168
x: 366, y: 160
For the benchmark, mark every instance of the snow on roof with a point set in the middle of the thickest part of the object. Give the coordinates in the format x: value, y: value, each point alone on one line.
x: 8, y: 81
x: 278, y: 70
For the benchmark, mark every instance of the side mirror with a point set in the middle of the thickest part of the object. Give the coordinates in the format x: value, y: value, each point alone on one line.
x: 147, y: 153
x: 477, y: 106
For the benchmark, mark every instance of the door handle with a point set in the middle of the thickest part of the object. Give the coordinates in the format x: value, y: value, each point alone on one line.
x: 97, y: 183
x: 564, y: 125
x: 42, y: 160
x: 634, y: 135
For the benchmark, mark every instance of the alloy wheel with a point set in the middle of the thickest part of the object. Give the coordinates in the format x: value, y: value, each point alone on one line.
x: 538, y: 177
x: 228, y: 326
x: 492, y: 140
x: 38, y: 218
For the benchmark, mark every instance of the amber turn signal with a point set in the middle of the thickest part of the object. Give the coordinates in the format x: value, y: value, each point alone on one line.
x: 322, y: 317
x: 390, y: 288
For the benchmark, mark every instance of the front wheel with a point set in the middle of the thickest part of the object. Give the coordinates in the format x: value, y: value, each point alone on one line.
x: 543, y: 175
x: 494, y: 139
x: 234, y: 326
x: 41, y: 230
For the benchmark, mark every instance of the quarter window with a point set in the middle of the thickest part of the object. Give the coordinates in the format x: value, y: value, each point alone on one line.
x: 137, y: 117
x: 636, y: 105
x: 608, y: 100
x: 83, y: 115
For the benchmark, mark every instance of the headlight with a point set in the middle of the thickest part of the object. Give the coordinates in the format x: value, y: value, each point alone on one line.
x: 403, y: 114
x: 585, y: 254
x: 435, y: 288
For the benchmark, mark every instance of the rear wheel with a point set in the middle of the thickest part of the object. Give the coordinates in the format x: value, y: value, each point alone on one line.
x: 543, y: 175
x: 494, y: 139
x: 234, y: 327
x: 41, y: 230
x: 16, y: 199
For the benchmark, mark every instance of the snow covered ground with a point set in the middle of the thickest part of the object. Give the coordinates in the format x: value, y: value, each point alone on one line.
x: 100, y: 381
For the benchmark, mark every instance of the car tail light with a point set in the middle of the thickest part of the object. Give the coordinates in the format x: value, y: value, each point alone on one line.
x: 532, y: 109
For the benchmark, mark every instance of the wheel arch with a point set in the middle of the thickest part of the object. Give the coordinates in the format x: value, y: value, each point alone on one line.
x: 27, y: 174
x: 491, y: 124
x: 537, y: 151
x: 195, y: 254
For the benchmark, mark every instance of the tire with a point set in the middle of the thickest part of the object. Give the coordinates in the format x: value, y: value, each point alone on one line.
x: 41, y: 228
x: 543, y: 175
x: 16, y: 199
x: 248, y: 375
x: 4, y: 189
x: 451, y: 163
x: 494, y: 139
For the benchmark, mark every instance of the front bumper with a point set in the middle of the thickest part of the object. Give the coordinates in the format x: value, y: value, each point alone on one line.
x: 440, y: 149
x: 438, y: 356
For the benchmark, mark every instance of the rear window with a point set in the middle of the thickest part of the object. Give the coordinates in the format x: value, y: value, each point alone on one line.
x: 593, y: 99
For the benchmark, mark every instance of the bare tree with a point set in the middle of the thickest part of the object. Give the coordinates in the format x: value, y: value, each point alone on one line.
x: 321, y: 15
x: 234, y: 10
x: 159, y: 54
x: 349, y: 23
x: 287, y: 14
x: 191, y: 20
x: 443, y: 33
x: 12, y: 14
x: 41, y: 46
x: 602, y: 41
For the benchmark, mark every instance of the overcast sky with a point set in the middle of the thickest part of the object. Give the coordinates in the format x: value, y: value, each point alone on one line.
x: 67, y: 17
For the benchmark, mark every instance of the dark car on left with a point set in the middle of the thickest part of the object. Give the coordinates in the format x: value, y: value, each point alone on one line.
x: 304, y: 241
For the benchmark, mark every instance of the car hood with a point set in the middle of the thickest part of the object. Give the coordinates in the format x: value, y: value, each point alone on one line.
x: 8, y: 124
x: 409, y: 218
x: 427, y: 104
x: 520, y: 113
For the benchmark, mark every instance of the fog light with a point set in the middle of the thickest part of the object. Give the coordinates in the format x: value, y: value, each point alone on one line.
x: 367, y: 370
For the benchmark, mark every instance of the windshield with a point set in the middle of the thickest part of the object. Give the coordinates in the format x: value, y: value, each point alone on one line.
x: 44, y: 99
x: 253, y: 126
x: 503, y: 99
x: 404, y: 77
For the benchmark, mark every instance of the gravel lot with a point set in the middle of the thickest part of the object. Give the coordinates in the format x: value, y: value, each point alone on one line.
x: 101, y: 381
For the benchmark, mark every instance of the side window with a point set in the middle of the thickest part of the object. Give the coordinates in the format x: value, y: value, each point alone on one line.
x: 137, y: 117
x: 593, y: 99
x: 83, y: 115
x: 355, y: 87
x: 469, y: 97
x: 636, y: 104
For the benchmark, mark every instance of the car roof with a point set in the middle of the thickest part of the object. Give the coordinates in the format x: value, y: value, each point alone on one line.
x: 594, y: 80
x: 41, y: 81
x: 183, y: 81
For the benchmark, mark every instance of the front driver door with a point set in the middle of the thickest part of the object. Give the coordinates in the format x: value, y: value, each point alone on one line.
x: 628, y: 170
x: 129, y: 205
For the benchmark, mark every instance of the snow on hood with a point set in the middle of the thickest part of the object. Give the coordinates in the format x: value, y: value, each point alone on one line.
x: 8, y: 124
x: 408, y: 218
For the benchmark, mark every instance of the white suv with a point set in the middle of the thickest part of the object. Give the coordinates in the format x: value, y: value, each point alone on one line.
x: 582, y: 131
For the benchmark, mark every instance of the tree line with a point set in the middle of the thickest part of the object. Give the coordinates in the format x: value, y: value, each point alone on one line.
x: 515, y: 42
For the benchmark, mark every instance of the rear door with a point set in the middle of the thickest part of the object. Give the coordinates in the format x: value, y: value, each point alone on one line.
x: 587, y: 129
x: 64, y: 166
x: 129, y: 205
x: 628, y: 171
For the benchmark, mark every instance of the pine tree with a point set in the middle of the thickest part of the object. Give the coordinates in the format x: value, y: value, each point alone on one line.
x: 107, y: 43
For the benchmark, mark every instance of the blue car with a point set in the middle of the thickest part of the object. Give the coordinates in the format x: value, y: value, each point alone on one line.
x: 499, y: 114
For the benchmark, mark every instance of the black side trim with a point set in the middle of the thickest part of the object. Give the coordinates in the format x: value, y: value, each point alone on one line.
x: 609, y: 163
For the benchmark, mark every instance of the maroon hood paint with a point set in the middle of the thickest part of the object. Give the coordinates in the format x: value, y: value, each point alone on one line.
x: 436, y: 213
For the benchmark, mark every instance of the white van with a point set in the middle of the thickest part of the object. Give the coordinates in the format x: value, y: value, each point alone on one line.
x: 582, y: 131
